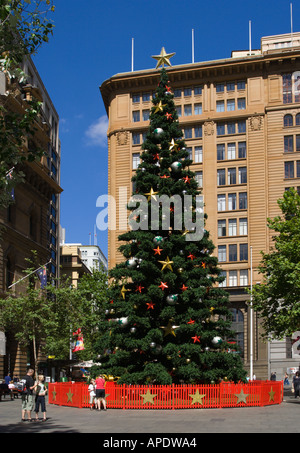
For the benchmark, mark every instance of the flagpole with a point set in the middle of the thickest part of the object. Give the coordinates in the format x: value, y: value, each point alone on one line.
x: 251, y: 317
x: 26, y: 276
x: 193, y: 47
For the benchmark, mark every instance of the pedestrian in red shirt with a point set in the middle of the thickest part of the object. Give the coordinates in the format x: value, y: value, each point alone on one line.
x: 100, y: 392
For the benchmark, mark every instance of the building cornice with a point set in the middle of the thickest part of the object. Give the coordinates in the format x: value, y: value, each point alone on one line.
x: 209, y: 70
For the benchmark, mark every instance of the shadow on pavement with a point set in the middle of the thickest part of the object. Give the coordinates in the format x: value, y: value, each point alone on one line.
x: 36, y: 427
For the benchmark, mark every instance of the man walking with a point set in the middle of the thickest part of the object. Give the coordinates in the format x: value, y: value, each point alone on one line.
x: 27, y: 395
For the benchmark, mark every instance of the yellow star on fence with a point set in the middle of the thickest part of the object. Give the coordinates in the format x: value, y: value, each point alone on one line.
x: 241, y: 397
x: 54, y: 393
x: 148, y: 397
x: 70, y: 396
x: 197, y: 398
x: 271, y: 394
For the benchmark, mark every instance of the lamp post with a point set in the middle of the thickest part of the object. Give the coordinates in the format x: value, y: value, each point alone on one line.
x: 251, y: 317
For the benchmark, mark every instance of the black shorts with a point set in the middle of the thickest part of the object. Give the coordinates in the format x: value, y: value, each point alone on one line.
x: 100, y: 393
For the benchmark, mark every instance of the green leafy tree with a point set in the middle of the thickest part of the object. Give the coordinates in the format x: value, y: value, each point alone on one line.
x: 45, y: 319
x: 24, y: 26
x: 167, y: 319
x: 277, y: 298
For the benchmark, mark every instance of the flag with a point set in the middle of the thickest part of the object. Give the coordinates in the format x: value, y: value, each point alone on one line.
x: 79, y: 345
x: 42, y: 274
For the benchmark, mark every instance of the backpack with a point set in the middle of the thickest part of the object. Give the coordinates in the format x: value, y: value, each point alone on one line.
x: 21, y: 386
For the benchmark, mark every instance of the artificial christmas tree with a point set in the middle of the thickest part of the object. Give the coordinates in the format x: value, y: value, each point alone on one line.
x: 167, y: 318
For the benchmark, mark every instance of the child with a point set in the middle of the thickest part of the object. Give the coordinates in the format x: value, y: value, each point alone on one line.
x: 92, y: 393
x: 41, y: 391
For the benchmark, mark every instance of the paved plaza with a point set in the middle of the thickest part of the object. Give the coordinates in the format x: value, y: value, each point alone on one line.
x: 283, y: 418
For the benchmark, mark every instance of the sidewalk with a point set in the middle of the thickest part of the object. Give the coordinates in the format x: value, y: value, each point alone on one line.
x: 283, y: 418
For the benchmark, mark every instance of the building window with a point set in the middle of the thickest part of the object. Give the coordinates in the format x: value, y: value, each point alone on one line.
x: 230, y: 105
x: 243, y: 175
x: 224, y: 276
x: 188, y: 110
x: 198, y: 109
x: 136, y: 138
x: 231, y: 127
x: 146, y: 115
x: 230, y: 86
x: 190, y: 152
x: 231, y: 201
x: 243, y: 200
x: 288, y: 120
x: 242, y: 150
x: 221, y: 151
x: 199, y: 178
x: 188, y: 132
x: 220, y: 87
x: 231, y: 176
x: 198, y: 90
x: 178, y: 110
x: 244, y: 277
x: 243, y: 252
x: 241, y: 104
x: 298, y: 168
x: 135, y: 98
x: 187, y: 91
x: 298, y: 119
x: 232, y: 252
x: 136, y: 116
x: 135, y: 160
x: 288, y: 143
x: 198, y: 154
x: 237, y: 325
x: 220, y: 106
x: 231, y: 154
x: 221, y: 228
x: 289, y: 169
x: 177, y: 93
x: 297, y: 143
x: 222, y: 202
x: 221, y: 177
x: 232, y: 278
x: 222, y: 253
x: 241, y: 85
x: 241, y: 127
x: 243, y: 227
x: 232, y: 227
x: 220, y: 128
x: 287, y: 88
x: 146, y: 97
x: 198, y: 131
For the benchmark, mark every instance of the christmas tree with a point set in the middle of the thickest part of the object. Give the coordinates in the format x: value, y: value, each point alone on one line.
x: 167, y: 319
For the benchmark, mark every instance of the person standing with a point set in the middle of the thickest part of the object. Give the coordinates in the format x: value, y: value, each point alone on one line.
x: 100, y: 392
x: 41, y: 391
x: 296, y: 384
x: 92, y: 393
x: 27, y: 395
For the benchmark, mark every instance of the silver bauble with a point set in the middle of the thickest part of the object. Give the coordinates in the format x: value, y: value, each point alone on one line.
x: 172, y: 299
x: 176, y: 166
x: 131, y: 263
x: 158, y: 132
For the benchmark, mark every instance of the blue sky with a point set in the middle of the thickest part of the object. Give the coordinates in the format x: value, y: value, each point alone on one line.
x: 92, y: 42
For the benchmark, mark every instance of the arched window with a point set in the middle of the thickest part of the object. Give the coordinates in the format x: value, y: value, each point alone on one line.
x: 9, y: 272
x: 298, y: 119
x: 288, y: 120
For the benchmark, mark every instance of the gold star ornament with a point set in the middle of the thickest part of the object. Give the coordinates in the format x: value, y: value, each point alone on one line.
x: 166, y: 264
x: 151, y: 194
x: 169, y: 329
x: 241, y: 397
x: 159, y: 107
x: 148, y: 397
x: 163, y: 59
x: 124, y: 291
x: 197, y: 398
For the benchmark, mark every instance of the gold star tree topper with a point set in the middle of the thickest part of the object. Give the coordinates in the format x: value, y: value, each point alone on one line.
x: 163, y: 59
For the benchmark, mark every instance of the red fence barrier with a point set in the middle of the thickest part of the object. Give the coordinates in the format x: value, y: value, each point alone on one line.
x: 226, y: 394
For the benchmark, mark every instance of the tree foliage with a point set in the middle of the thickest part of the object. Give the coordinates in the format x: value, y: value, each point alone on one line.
x: 176, y: 332
x: 24, y: 26
x: 44, y: 319
x: 277, y: 298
